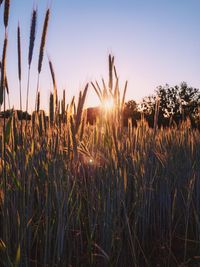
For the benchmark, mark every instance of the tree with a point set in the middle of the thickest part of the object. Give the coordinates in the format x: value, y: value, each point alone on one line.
x: 131, y: 112
x: 175, y: 103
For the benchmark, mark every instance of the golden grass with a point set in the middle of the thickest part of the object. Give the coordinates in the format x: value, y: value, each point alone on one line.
x: 72, y: 194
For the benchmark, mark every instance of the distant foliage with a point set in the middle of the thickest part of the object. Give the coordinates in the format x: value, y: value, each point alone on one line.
x: 176, y: 104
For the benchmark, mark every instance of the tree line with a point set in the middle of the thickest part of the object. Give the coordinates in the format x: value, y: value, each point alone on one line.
x: 174, y: 105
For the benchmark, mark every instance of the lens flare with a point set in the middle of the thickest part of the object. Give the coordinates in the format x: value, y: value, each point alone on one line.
x: 108, y: 104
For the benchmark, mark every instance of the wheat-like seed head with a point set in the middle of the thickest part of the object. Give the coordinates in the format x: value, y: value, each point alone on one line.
x: 52, y: 73
x: 43, y: 40
x: 73, y: 137
x: 6, y: 85
x: 63, y: 107
x: 32, y: 36
x: 3, y: 70
x: 6, y: 12
x: 81, y: 102
x: 51, y: 109
x: 6, y: 82
x: 111, y: 62
x: 54, y: 86
x: 124, y: 95
x: 19, y: 51
x: 38, y: 101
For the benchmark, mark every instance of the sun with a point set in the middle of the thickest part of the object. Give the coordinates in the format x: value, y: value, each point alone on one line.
x: 108, y: 104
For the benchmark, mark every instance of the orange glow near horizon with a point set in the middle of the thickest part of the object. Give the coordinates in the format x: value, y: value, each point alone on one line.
x: 108, y: 104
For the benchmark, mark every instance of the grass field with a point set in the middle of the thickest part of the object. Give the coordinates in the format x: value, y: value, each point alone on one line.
x: 104, y: 196
x: 74, y: 194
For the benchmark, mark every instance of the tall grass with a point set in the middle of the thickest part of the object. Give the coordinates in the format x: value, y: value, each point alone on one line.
x: 75, y: 194
x: 6, y: 12
x: 42, y: 46
x: 19, y: 64
x: 103, y: 195
x: 31, y: 49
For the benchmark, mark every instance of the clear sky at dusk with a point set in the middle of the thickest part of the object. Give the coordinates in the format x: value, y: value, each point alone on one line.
x: 154, y: 42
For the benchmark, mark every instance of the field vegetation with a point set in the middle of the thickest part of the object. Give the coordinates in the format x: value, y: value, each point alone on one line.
x: 75, y: 194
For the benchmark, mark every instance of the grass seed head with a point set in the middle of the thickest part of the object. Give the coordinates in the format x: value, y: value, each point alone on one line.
x: 43, y: 40
x: 6, y: 12
x: 32, y: 36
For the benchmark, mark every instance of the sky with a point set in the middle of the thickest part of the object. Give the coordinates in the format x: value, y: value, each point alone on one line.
x: 154, y: 42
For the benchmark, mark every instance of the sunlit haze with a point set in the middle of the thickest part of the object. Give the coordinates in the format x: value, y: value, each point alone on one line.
x: 154, y: 42
x: 108, y: 104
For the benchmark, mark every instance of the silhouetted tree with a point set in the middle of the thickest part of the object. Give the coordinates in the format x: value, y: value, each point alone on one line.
x: 20, y: 114
x: 131, y: 112
x: 176, y: 104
